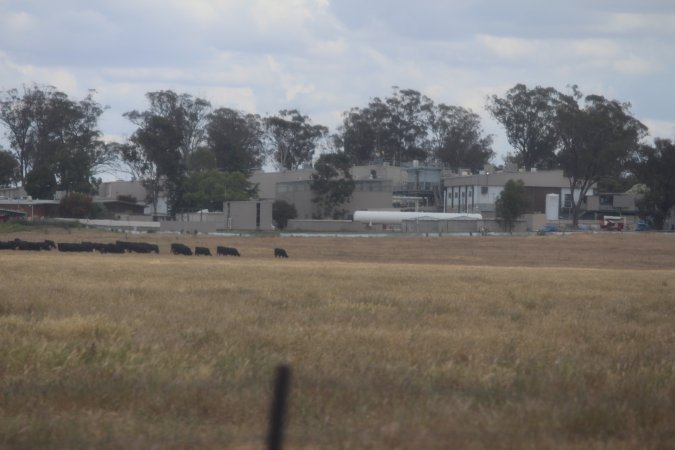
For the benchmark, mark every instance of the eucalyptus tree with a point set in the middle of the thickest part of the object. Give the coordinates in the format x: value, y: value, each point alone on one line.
x: 9, y: 168
x: 458, y: 140
x: 167, y: 133
x: 597, y: 140
x: 654, y: 167
x: 396, y: 128
x: 54, y: 136
x: 529, y: 120
x: 332, y: 185
x: 236, y: 140
x: 293, y: 138
x: 357, y: 136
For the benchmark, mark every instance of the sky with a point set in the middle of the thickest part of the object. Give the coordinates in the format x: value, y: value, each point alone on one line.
x: 324, y: 57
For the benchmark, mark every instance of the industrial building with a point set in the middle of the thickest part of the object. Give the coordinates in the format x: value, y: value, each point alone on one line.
x: 477, y: 193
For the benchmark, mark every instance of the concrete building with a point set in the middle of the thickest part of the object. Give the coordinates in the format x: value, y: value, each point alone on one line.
x: 374, y: 188
x: 250, y: 215
x: 13, y: 192
x: 424, y: 183
x: 478, y: 193
x: 29, y: 208
x: 613, y: 204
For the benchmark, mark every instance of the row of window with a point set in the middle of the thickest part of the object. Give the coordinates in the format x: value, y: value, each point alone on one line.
x: 361, y: 185
x: 469, y: 192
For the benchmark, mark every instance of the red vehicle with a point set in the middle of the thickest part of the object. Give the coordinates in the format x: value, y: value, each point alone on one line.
x: 613, y: 223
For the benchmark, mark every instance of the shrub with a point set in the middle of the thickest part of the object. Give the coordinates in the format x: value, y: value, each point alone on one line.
x: 76, y: 205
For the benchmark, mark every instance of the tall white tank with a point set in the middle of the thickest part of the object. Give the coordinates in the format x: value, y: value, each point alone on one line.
x: 552, y: 207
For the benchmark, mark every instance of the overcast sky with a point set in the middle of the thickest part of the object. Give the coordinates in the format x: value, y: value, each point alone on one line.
x: 324, y: 57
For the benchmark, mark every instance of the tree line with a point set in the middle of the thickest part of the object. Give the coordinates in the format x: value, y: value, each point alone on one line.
x: 201, y: 156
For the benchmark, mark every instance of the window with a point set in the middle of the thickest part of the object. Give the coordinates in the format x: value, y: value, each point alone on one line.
x: 568, y: 201
x: 484, y: 190
x: 606, y: 200
x: 257, y: 215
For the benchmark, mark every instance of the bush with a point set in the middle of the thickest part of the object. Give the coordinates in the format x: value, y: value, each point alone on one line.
x: 77, y: 206
x: 282, y: 212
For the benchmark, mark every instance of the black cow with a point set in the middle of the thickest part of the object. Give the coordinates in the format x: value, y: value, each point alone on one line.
x: 280, y: 253
x: 202, y: 251
x: 9, y: 245
x: 95, y: 246
x: 113, y: 248
x: 138, y: 247
x: 33, y: 246
x: 74, y: 247
x: 227, y: 251
x: 180, y: 249
x: 50, y: 243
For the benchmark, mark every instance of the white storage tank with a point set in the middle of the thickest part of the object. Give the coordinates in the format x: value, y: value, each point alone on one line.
x: 396, y: 217
x: 552, y: 207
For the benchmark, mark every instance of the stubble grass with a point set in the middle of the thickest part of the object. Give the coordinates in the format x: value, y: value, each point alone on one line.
x: 145, y: 351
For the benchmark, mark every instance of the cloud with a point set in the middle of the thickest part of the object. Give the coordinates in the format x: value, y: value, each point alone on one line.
x: 325, y: 57
x: 508, y: 47
x: 664, y: 129
x: 639, y: 24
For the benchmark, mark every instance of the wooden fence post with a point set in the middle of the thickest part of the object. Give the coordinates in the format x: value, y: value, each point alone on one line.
x: 277, y: 410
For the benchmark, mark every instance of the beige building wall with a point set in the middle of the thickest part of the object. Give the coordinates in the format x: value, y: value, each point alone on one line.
x: 113, y: 189
x: 479, y: 192
x: 619, y: 202
x: 12, y: 192
x: 245, y: 215
x: 368, y: 194
x: 248, y: 215
x: 395, y: 174
x: 267, y: 181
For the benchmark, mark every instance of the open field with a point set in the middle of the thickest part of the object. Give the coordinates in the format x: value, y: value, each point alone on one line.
x: 470, y: 343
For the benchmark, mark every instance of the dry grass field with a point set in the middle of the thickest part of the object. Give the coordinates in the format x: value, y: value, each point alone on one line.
x: 536, y: 342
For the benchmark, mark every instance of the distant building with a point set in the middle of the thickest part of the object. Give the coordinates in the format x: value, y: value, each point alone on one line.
x: 29, y: 208
x: 249, y: 215
x: 479, y: 192
x: 374, y: 188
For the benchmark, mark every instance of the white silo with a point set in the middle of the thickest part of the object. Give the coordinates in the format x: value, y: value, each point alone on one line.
x: 552, y: 207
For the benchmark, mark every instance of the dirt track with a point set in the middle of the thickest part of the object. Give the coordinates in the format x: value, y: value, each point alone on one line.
x: 599, y: 250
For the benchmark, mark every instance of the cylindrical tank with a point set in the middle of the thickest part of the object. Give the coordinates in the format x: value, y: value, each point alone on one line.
x: 552, y: 207
x: 391, y: 217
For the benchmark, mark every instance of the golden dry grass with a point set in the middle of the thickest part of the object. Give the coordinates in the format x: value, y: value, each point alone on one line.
x: 533, y: 342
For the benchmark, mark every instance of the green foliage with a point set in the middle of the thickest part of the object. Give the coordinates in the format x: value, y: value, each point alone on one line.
x: 408, y: 125
x: 47, y: 129
x: 332, y: 185
x: 168, y: 133
x: 40, y: 183
x: 654, y: 166
x: 529, y: 120
x: 9, y: 168
x: 77, y: 205
x: 209, y: 189
x: 282, y: 212
x: 596, y: 141
x: 394, y: 129
x: 459, y: 142
x: 201, y: 159
x: 237, y: 140
x: 293, y: 138
x: 511, y: 203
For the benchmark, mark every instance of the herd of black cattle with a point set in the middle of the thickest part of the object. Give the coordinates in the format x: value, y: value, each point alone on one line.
x: 123, y: 247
